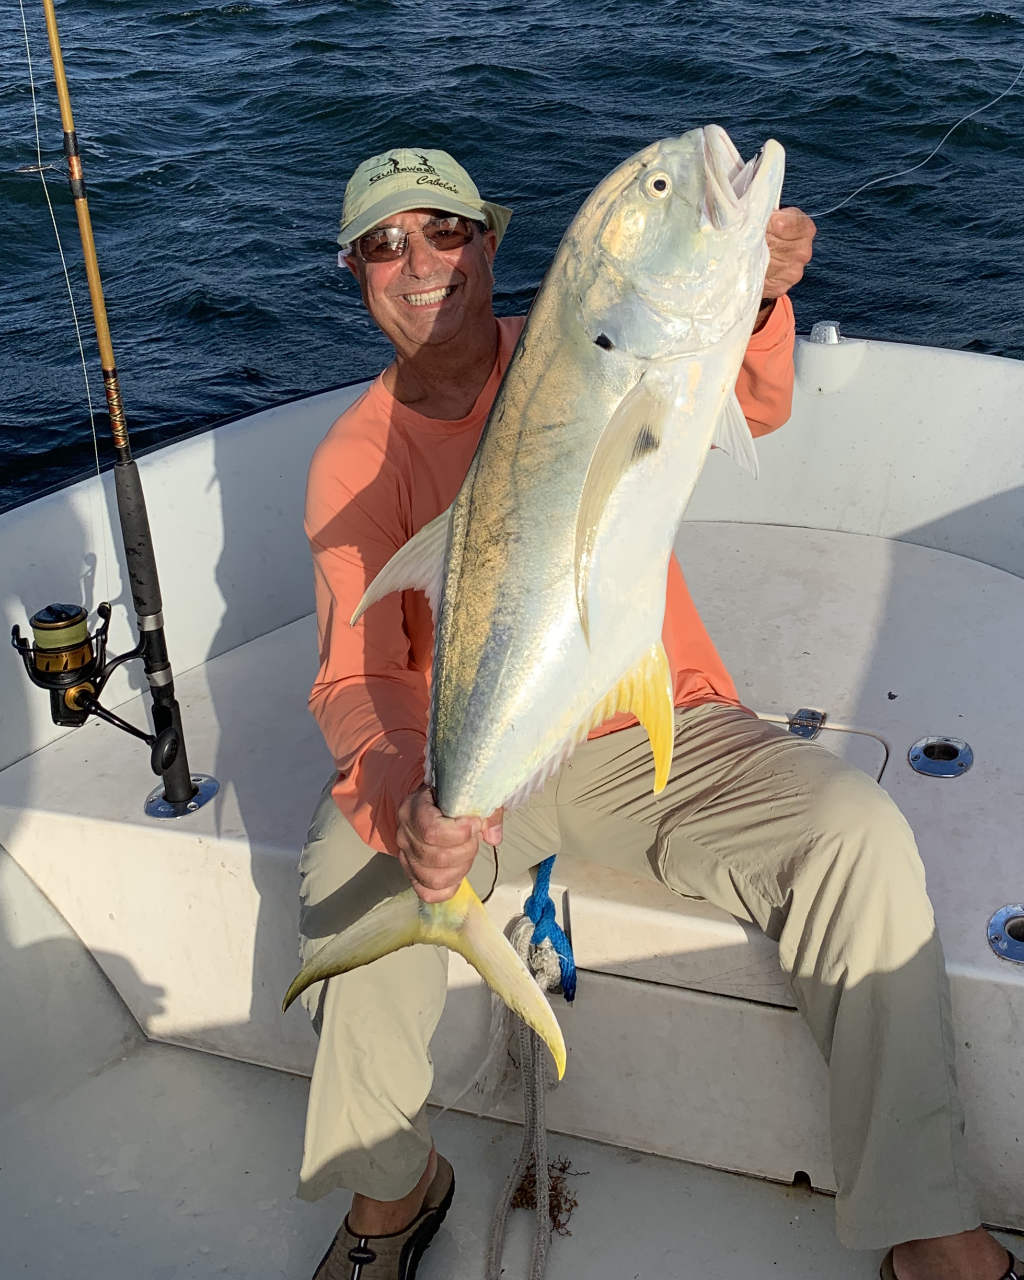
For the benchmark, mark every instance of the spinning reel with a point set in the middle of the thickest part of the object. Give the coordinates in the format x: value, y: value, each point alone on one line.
x: 70, y: 663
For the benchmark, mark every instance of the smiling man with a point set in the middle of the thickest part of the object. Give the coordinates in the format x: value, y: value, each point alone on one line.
x: 777, y: 832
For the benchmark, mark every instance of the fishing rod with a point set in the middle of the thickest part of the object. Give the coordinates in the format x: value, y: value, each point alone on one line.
x: 64, y: 658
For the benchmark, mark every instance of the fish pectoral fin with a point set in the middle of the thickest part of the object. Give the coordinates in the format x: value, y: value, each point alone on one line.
x: 646, y: 692
x: 634, y: 431
x: 461, y: 924
x: 479, y: 940
x: 390, y: 925
x: 418, y: 564
x: 732, y: 436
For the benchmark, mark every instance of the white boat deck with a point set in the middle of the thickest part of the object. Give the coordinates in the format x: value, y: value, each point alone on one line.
x: 194, y: 921
x: 123, y: 1158
x: 169, y: 1163
x: 130, y: 1160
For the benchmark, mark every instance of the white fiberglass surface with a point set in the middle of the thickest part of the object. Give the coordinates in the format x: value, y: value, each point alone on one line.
x: 861, y: 632
x: 171, y: 1163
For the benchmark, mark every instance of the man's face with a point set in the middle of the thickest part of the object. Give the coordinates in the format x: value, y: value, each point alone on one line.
x: 428, y: 296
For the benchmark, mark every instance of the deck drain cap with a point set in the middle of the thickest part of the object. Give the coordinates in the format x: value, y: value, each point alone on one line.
x: 941, y: 757
x: 1006, y: 933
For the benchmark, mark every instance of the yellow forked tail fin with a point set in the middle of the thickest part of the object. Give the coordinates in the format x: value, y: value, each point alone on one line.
x: 462, y: 925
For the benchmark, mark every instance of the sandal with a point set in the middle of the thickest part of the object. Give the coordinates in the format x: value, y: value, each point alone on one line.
x: 393, y: 1257
x: 1015, y: 1270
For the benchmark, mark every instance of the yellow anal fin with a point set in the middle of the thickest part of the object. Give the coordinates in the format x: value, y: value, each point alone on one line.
x: 646, y: 692
x: 460, y: 924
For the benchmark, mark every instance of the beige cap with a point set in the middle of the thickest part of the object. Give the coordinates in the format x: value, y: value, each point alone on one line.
x: 402, y: 179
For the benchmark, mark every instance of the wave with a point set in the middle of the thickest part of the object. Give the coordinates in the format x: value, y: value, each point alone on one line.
x: 218, y: 136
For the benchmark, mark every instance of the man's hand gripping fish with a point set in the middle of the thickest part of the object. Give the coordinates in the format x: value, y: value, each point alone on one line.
x: 547, y: 574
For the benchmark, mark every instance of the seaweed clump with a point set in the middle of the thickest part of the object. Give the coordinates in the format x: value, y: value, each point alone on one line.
x: 561, y: 1199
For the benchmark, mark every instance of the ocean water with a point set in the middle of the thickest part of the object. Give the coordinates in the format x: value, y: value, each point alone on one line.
x: 217, y: 138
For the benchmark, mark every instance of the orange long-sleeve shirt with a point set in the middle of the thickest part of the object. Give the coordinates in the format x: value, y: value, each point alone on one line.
x: 381, y: 473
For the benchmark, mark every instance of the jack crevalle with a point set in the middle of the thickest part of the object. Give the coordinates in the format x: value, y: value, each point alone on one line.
x: 547, y: 574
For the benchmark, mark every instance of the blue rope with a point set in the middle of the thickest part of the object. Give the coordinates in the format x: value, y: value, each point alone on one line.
x: 539, y: 908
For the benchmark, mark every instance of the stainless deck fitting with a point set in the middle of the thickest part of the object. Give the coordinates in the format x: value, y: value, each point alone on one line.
x: 825, y: 332
x: 158, y: 807
x: 940, y: 757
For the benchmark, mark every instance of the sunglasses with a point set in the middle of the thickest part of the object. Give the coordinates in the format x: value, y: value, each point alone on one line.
x: 388, y: 244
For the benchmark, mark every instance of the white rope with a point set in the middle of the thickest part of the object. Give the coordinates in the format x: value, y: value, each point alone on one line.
x: 533, y: 1059
x: 41, y: 168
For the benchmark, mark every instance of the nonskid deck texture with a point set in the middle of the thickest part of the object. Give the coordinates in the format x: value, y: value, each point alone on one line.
x: 170, y: 1163
x: 128, y: 1160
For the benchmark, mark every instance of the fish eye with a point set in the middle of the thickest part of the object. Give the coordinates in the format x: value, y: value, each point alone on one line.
x: 657, y: 185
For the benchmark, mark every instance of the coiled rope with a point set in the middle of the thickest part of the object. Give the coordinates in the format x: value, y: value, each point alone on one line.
x: 539, y: 908
x: 545, y: 949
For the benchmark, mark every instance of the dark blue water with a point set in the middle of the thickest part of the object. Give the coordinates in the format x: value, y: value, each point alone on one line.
x: 217, y: 139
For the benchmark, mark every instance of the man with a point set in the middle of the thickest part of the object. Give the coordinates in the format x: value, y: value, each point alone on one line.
x: 781, y: 835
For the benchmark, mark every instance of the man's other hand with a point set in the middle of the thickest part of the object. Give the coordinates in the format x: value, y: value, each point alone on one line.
x: 789, y: 235
x: 436, y: 852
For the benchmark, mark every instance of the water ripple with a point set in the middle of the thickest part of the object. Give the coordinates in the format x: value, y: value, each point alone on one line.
x: 217, y: 137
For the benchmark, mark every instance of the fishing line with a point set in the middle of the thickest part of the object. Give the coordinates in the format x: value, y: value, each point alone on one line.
x: 901, y: 172
x: 494, y: 849
x: 41, y: 168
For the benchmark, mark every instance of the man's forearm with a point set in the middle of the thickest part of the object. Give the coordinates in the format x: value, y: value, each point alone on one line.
x: 374, y: 781
x: 765, y: 383
x: 375, y: 730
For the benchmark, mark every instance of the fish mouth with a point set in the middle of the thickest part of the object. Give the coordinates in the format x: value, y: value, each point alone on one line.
x: 729, y: 180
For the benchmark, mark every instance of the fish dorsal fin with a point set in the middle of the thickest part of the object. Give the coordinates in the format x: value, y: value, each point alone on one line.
x: 646, y: 692
x: 732, y: 436
x: 633, y: 432
x: 418, y: 564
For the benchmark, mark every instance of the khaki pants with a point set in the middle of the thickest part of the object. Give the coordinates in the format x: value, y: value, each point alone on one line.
x: 776, y: 831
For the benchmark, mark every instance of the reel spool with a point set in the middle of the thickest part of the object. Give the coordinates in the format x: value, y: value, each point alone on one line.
x: 65, y: 659
x: 71, y: 665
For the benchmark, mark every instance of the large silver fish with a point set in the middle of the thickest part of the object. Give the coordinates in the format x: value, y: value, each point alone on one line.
x: 547, y: 574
